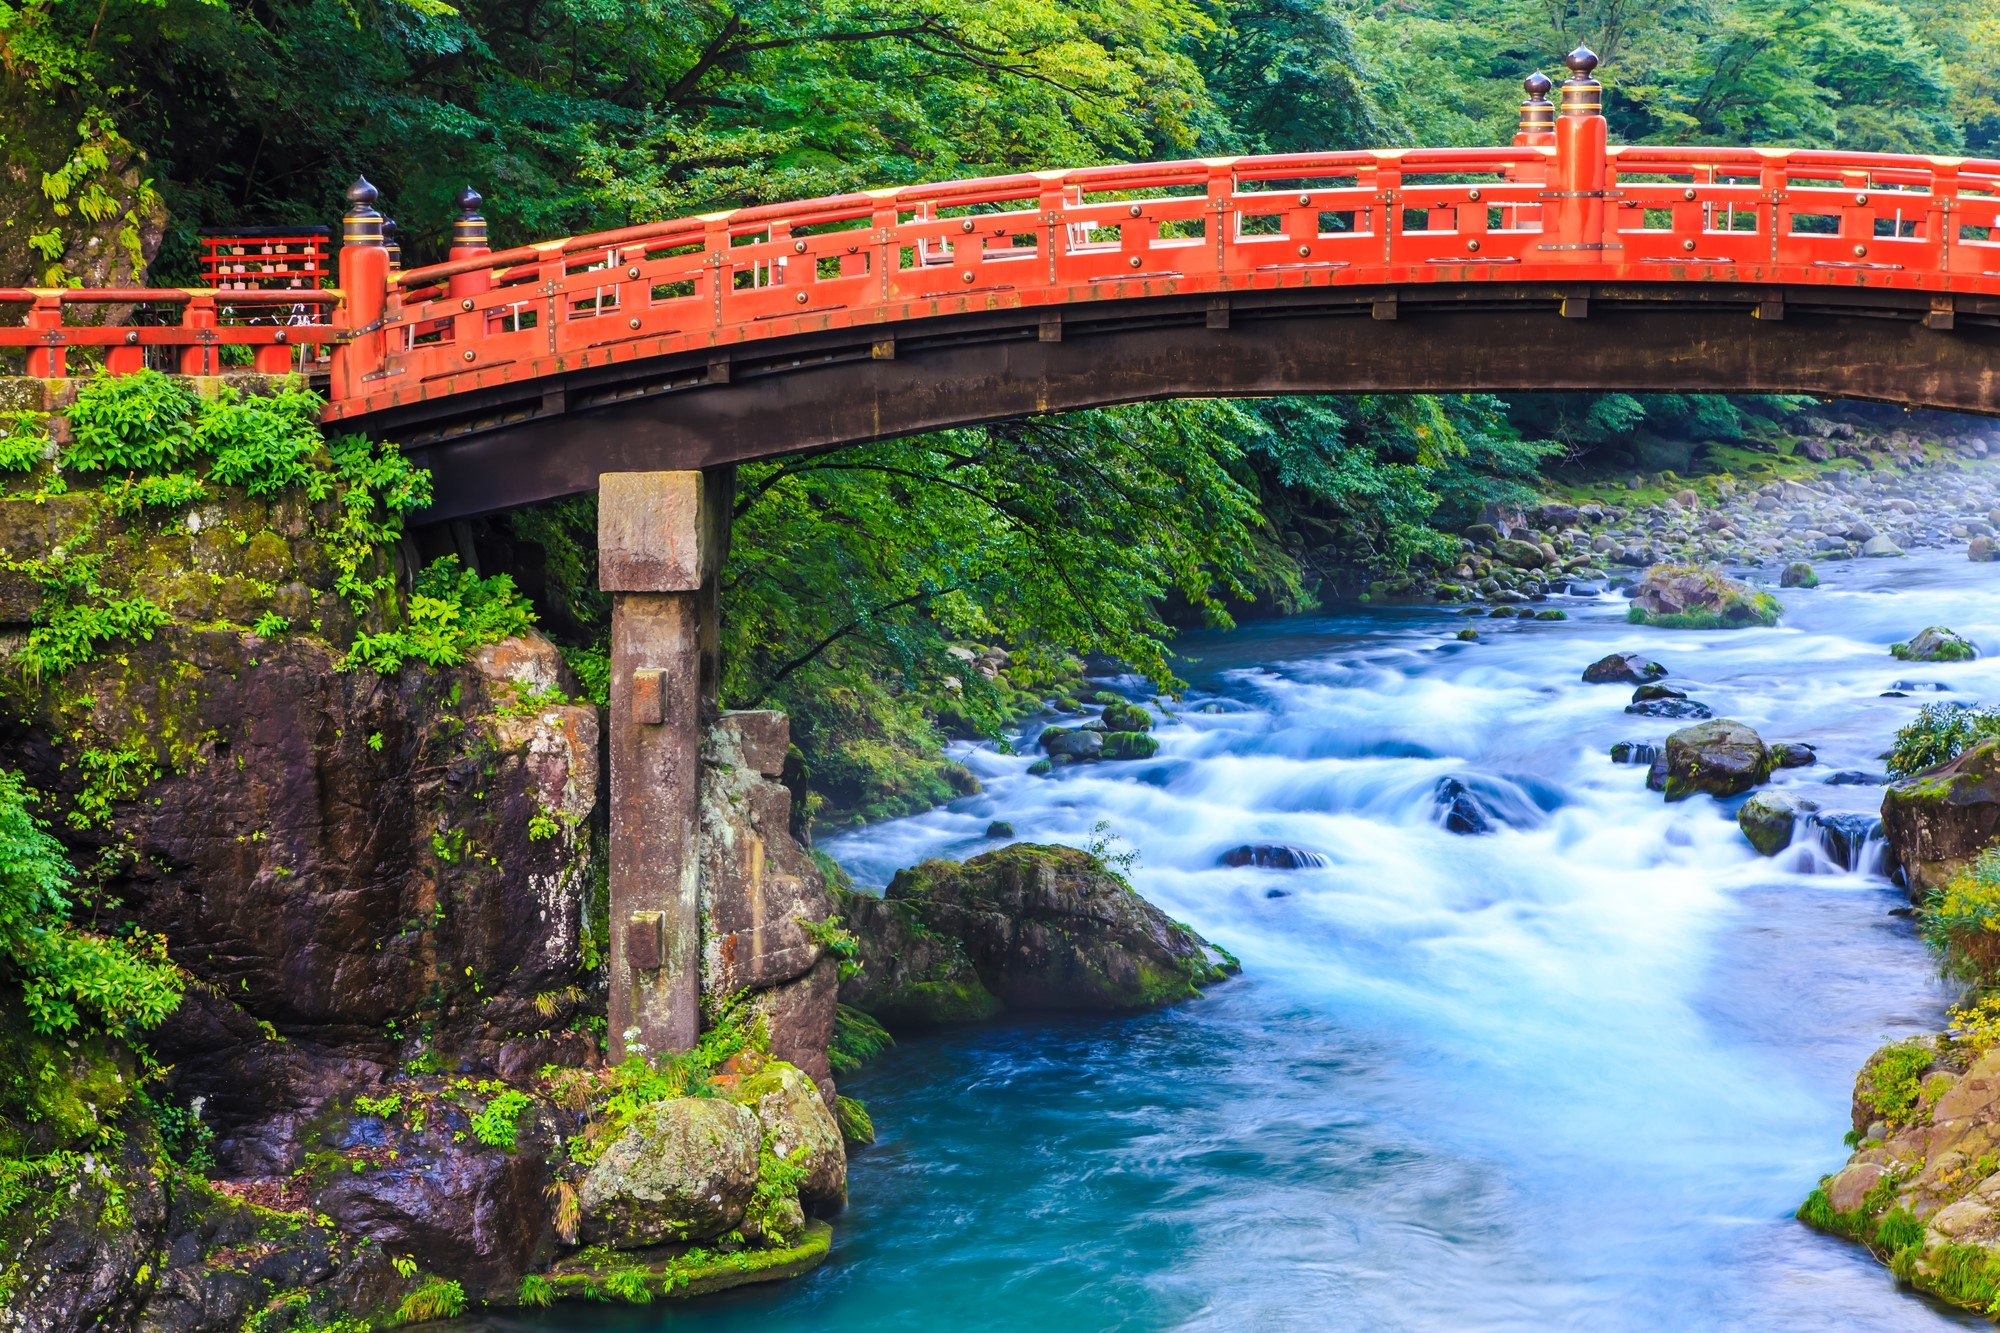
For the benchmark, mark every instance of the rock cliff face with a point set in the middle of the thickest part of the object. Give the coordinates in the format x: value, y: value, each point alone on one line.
x: 386, y: 894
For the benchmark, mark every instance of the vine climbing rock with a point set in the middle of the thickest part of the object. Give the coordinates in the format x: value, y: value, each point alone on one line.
x: 1025, y: 927
x: 1938, y: 821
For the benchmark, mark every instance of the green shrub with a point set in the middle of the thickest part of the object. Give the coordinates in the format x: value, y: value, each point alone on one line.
x: 1961, y: 921
x: 1892, y: 1086
x: 132, y: 423
x: 1939, y: 734
x: 71, y: 635
x: 67, y: 975
x: 499, y: 1124
x: 266, y: 443
x: 451, y: 612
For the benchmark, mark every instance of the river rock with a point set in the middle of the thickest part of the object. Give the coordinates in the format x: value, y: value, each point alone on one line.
x: 1519, y: 554
x: 1623, y: 669
x: 1982, y: 549
x: 1648, y: 692
x: 1081, y: 744
x: 1271, y: 856
x: 1126, y: 717
x: 1843, y: 837
x: 1634, y: 752
x: 1880, y: 548
x: 1028, y: 927
x: 1799, y: 574
x: 684, y: 1170
x: 1676, y: 707
x: 1723, y: 758
x: 1130, y: 745
x: 1936, y: 644
x: 1939, y: 820
x: 1459, y: 808
x: 1793, y: 754
x: 1768, y: 819
x: 1699, y: 597
x: 800, y: 1127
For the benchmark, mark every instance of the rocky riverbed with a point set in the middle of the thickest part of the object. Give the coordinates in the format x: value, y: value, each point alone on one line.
x: 1874, y: 495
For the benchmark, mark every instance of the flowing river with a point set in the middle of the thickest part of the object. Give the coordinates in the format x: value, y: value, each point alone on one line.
x: 1573, y: 1074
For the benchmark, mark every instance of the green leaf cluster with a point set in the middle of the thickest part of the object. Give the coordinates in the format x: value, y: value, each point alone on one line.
x: 450, y: 612
x: 1938, y: 734
x: 68, y: 976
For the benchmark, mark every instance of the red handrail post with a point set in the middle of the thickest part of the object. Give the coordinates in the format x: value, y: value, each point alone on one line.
x: 468, y: 241
x: 199, y: 357
x: 274, y: 358
x: 364, y: 280
x: 128, y: 359
x: 47, y: 362
x: 1580, y: 161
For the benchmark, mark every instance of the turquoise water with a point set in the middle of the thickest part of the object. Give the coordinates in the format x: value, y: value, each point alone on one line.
x: 1572, y: 1075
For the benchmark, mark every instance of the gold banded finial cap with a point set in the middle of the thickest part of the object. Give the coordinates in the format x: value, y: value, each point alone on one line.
x: 469, y: 228
x: 1538, y: 114
x: 1582, y: 95
x: 362, y: 225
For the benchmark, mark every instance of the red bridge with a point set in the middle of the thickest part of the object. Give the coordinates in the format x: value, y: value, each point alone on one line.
x: 1556, y: 263
x: 642, y: 362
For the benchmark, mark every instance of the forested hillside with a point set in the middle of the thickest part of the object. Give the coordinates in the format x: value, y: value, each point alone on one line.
x: 134, y: 126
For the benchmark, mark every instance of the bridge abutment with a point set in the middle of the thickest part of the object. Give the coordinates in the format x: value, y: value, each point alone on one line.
x: 662, y: 537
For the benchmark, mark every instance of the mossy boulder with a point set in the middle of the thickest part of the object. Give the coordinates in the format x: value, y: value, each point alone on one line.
x: 1936, y: 644
x: 1699, y: 597
x: 1130, y: 745
x: 1937, y: 822
x: 1799, y: 574
x: 1070, y: 746
x: 1768, y: 819
x: 1723, y: 758
x: 1031, y: 927
x: 684, y: 1170
x: 1126, y: 717
x: 1519, y: 554
x: 800, y: 1127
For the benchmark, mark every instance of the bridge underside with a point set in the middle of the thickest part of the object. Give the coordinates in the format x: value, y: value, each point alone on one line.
x: 543, y: 441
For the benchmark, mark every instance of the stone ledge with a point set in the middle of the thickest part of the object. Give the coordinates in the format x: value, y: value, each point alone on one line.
x: 677, y: 1278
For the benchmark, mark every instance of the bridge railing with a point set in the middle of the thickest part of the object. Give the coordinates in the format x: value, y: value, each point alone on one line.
x: 1557, y: 205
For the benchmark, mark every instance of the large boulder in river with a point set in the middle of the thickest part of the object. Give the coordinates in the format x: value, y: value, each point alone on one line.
x: 1722, y: 758
x: 1065, y: 745
x: 1936, y: 644
x: 1126, y: 717
x: 801, y: 1127
x: 684, y: 1170
x: 1623, y: 669
x: 1037, y: 927
x: 1699, y: 597
x: 1939, y: 820
x: 1519, y: 554
x: 1768, y: 818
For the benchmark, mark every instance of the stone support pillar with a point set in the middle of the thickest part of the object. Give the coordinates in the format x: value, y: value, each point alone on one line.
x: 661, y: 538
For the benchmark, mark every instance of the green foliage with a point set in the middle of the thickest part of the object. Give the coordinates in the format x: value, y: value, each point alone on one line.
x: 384, y: 1106
x: 1938, y: 734
x: 856, y: 1126
x: 1961, y: 921
x: 1891, y: 1086
x: 378, y: 488
x: 857, y: 1039
x: 451, y: 611
x: 837, y: 940
x: 270, y: 625
x: 132, y: 423
x: 265, y: 443
x: 110, y: 776
x: 498, y: 1125
x: 437, y: 1298
x: 780, y: 1175
x: 536, y: 1292
x: 67, y: 976
x: 68, y: 636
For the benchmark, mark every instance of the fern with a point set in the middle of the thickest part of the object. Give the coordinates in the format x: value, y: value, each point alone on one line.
x: 438, y: 1298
